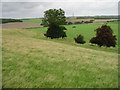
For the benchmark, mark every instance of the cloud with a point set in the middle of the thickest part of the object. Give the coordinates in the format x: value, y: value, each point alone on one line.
x: 36, y: 9
x: 60, y: 0
x: 23, y: 9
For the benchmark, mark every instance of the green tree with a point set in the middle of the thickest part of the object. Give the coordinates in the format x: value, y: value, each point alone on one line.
x: 54, y: 19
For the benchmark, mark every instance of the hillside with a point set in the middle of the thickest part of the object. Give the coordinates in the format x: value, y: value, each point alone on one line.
x: 42, y: 63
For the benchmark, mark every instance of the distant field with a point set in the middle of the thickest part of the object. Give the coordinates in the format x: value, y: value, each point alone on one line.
x: 69, y: 20
x: 95, y: 20
x: 33, y: 20
x: 39, y: 20
x: 20, y: 25
x: 32, y: 61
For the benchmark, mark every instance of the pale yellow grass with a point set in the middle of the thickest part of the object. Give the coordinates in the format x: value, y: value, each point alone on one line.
x: 30, y: 45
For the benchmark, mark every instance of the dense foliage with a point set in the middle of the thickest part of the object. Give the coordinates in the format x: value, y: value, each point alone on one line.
x: 104, y: 37
x: 80, y: 22
x: 54, y: 19
x: 79, y: 39
x: 56, y: 32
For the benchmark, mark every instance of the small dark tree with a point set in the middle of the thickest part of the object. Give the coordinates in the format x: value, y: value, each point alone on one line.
x: 79, y: 39
x: 104, y: 37
x: 54, y: 19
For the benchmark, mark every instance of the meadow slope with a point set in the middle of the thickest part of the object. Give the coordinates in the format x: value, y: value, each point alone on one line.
x: 87, y: 30
x: 41, y: 63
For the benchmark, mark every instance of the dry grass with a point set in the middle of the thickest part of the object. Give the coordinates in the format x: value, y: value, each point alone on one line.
x: 20, y: 25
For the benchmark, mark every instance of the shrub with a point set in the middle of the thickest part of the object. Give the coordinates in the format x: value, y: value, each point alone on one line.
x: 73, y: 26
x: 77, y: 22
x: 104, y: 37
x: 91, y: 21
x: 69, y: 23
x: 79, y: 39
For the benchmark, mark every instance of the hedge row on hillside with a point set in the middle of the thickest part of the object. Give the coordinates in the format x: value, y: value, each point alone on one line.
x: 80, y: 22
x: 10, y: 20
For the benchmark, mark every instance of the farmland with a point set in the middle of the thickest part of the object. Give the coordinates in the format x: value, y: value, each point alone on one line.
x: 39, y: 62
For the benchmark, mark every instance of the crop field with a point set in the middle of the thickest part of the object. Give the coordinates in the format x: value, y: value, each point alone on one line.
x: 39, y: 62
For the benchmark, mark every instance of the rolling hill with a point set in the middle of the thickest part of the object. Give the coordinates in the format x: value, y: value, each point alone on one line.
x: 30, y: 62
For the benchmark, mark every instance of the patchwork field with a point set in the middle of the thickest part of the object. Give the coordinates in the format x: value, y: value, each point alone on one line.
x: 95, y: 20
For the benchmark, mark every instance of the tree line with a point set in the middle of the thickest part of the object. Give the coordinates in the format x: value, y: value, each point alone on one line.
x: 10, y: 20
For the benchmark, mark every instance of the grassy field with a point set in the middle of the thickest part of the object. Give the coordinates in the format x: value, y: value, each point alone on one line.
x: 32, y: 61
x: 32, y: 20
x: 87, y: 30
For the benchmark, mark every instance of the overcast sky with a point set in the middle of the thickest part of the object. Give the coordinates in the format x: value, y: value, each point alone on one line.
x: 30, y: 9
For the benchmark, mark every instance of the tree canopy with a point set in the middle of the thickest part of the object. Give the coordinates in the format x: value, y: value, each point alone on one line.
x: 54, y: 18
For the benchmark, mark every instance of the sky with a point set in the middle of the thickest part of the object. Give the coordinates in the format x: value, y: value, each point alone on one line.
x: 36, y: 8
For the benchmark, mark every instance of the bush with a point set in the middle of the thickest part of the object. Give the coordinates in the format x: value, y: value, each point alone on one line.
x: 104, y: 37
x: 79, y: 39
x: 73, y: 26
x: 69, y: 23
x: 56, y: 32
x: 77, y: 22
x: 91, y: 21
